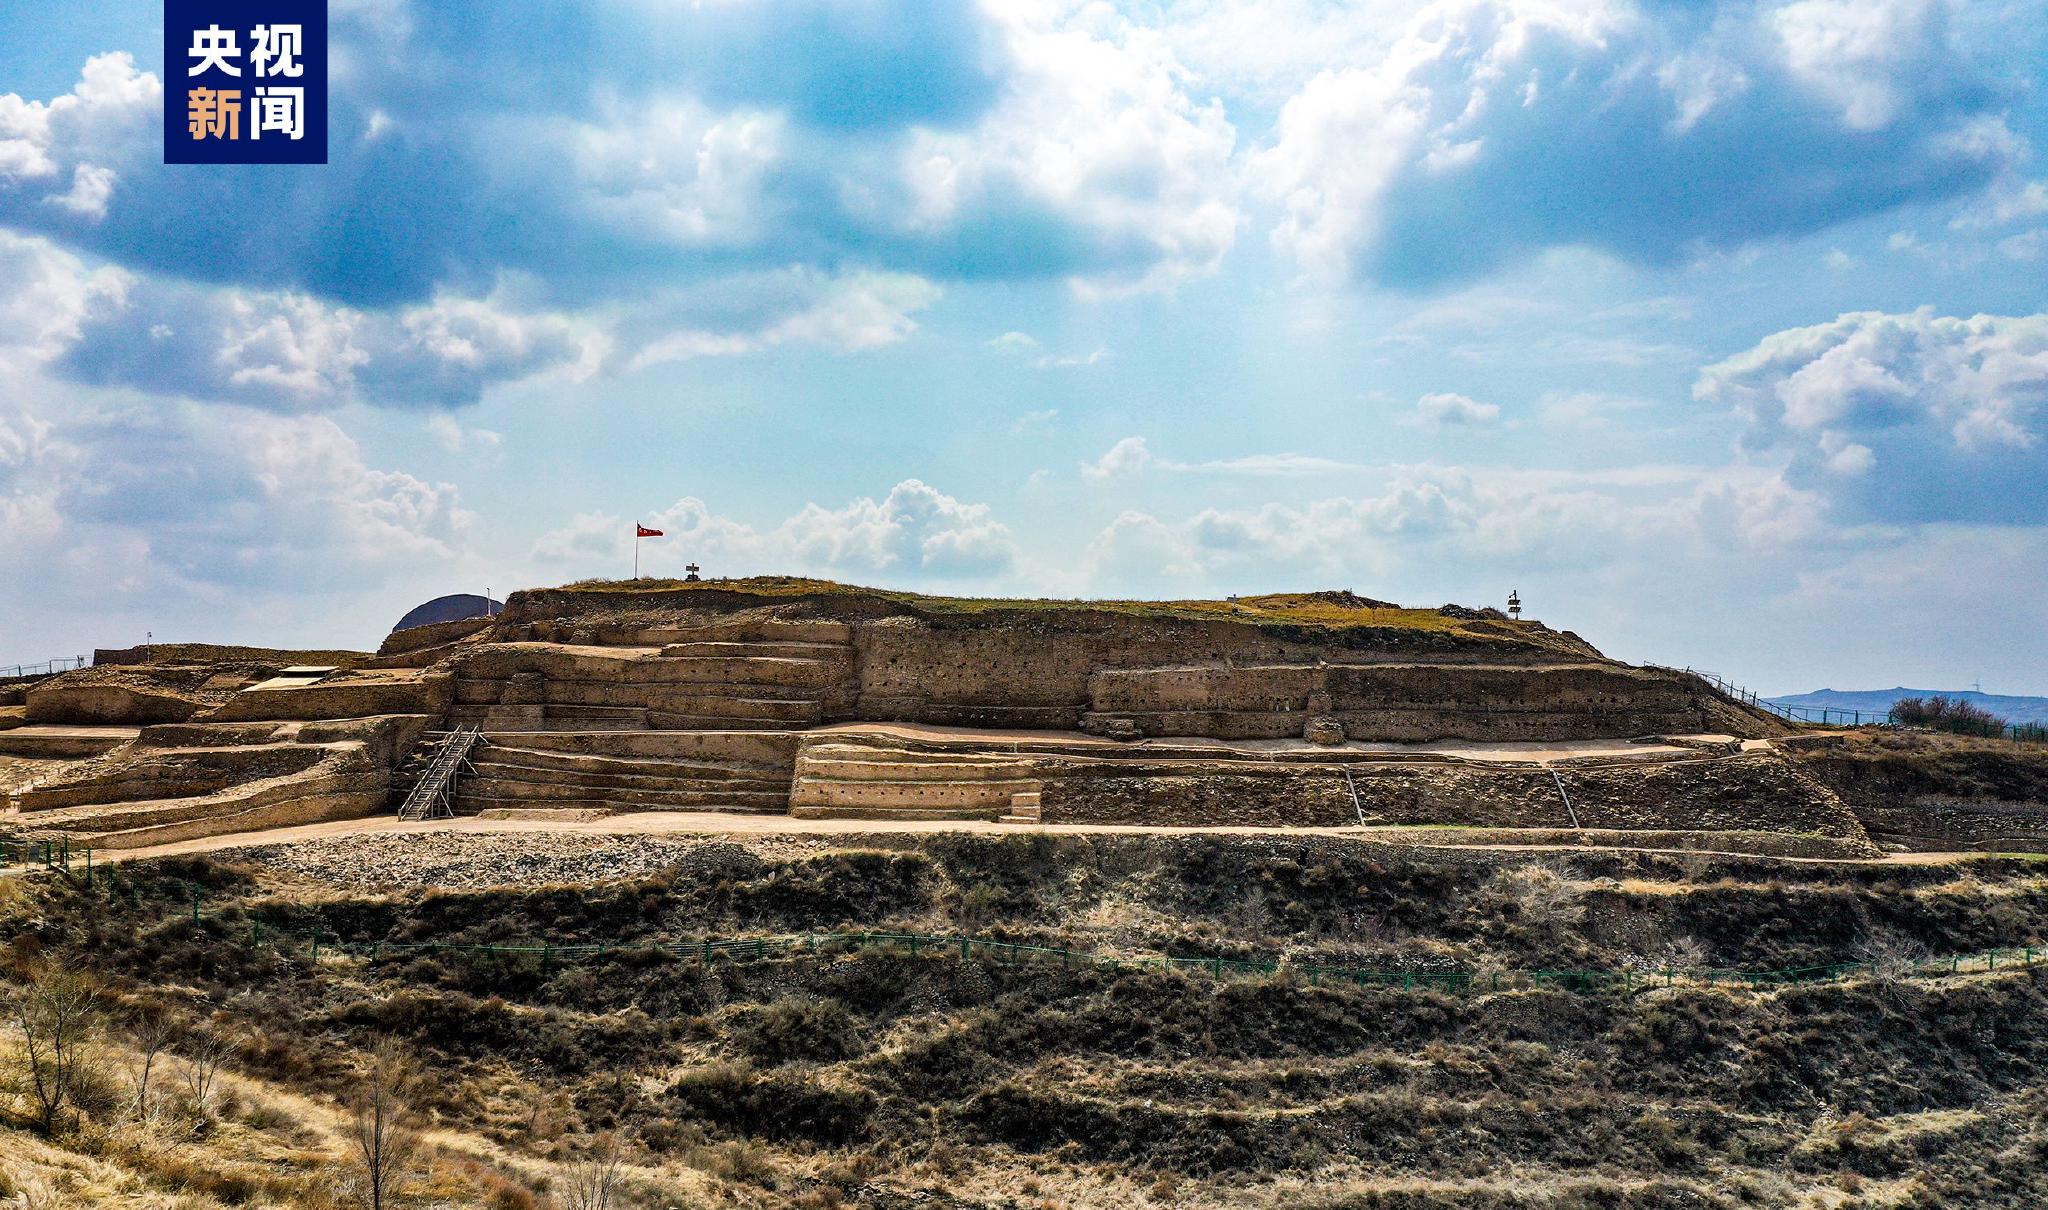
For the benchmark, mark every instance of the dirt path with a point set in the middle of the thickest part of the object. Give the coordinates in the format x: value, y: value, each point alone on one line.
x: 723, y: 823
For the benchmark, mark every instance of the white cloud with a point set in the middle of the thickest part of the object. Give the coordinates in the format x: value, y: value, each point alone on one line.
x: 293, y: 352
x: 1923, y: 398
x: 1464, y: 142
x: 91, y: 187
x: 1267, y: 466
x: 2010, y: 201
x: 47, y: 296
x: 1588, y: 409
x: 481, y: 443
x: 672, y: 169
x: 588, y: 538
x: 2026, y: 246
x: 1071, y: 361
x: 209, y: 499
x: 859, y: 311
x: 914, y: 530
x: 1014, y: 343
x: 1130, y: 456
x: 1096, y: 128
x: 851, y: 313
x: 1036, y: 421
x: 1425, y: 516
x: 1444, y: 409
x: 105, y: 112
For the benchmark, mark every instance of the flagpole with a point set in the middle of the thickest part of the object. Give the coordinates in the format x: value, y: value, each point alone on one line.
x: 636, y: 551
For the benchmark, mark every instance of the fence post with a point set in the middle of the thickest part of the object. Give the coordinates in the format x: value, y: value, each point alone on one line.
x: 195, y: 904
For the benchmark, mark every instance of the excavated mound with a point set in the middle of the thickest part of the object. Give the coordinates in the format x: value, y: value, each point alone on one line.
x: 1322, y: 709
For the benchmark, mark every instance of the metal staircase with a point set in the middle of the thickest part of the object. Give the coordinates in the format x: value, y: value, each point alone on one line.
x: 433, y: 795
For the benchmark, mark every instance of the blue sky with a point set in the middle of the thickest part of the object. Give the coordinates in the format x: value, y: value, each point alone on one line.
x: 1717, y: 329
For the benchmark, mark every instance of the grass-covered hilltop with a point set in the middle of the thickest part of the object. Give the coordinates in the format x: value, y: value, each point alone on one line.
x: 1335, y: 609
x: 783, y: 893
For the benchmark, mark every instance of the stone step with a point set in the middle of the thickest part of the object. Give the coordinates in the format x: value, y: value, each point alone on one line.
x: 580, y: 764
x: 648, y: 774
x: 817, y: 791
x: 764, y: 795
x: 753, y: 669
x: 772, y: 748
x: 621, y: 696
x: 153, y: 813
x: 834, y: 653
x: 854, y: 769
x: 481, y: 804
x: 1024, y: 808
x: 662, y: 720
x: 878, y: 753
x: 836, y: 633
x: 844, y: 811
x: 494, y: 718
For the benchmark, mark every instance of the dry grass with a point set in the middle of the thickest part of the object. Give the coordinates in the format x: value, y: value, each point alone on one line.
x: 1332, y: 610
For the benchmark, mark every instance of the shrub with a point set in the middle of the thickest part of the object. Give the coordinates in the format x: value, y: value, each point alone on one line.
x: 798, y: 1027
x: 1947, y: 714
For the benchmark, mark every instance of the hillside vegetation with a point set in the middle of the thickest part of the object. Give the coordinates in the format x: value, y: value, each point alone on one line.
x: 1334, y: 609
x: 884, y: 1079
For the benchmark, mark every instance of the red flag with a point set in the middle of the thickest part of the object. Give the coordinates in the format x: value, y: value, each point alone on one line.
x: 641, y: 531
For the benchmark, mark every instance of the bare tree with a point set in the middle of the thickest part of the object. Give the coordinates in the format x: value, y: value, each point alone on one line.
x: 58, y: 1014
x: 149, y: 1036
x: 593, y: 1180
x: 384, y: 1125
x: 200, y: 1068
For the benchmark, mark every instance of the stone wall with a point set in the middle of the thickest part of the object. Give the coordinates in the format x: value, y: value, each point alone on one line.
x: 1750, y: 793
x: 341, y: 700
x: 1031, y: 669
x: 1403, y: 702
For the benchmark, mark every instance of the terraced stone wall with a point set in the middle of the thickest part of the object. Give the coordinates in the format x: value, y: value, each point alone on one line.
x: 1752, y: 793
x: 1408, y: 702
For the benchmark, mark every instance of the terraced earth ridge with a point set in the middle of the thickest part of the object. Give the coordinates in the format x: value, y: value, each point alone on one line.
x: 822, y: 701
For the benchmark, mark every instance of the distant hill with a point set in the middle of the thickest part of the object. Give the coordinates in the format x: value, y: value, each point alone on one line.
x: 2010, y: 707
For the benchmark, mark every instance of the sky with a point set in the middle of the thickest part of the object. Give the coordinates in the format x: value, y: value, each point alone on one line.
x: 1718, y: 330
